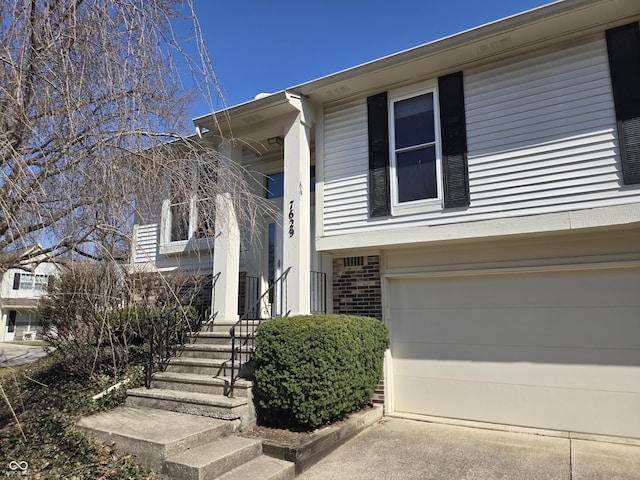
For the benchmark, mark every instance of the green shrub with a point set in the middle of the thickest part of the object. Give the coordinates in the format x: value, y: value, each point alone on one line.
x: 311, y: 370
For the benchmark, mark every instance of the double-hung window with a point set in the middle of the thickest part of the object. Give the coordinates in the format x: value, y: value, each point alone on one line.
x: 191, y: 212
x: 415, y: 166
x: 30, y: 281
x: 418, y: 149
x: 179, y: 216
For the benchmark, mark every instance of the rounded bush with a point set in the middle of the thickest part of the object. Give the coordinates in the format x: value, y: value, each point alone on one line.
x: 310, y: 370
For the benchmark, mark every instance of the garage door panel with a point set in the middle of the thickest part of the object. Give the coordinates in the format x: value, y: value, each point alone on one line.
x: 555, y: 375
x: 530, y: 289
x: 559, y: 327
x: 556, y: 349
x: 586, y: 355
x: 559, y: 409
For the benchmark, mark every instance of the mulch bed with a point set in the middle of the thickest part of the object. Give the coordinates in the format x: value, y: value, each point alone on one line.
x: 290, y: 438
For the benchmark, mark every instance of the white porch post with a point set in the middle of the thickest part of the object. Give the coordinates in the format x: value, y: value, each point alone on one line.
x: 226, y: 249
x: 297, y: 208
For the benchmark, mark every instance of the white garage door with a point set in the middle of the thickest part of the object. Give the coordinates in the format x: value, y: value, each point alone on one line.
x: 558, y: 350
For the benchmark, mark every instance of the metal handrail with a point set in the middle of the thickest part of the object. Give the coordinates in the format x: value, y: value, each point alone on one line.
x: 250, y: 296
x: 164, y: 337
x: 170, y: 338
x: 244, y: 350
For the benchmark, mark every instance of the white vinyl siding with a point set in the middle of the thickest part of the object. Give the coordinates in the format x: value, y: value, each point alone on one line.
x: 541, y: 139
x: 146, y: 243
x: 552, y: 142
x: 346, y: 166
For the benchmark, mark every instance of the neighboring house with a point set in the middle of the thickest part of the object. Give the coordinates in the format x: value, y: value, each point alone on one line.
x: 480, y: 194
x: 20, y: 291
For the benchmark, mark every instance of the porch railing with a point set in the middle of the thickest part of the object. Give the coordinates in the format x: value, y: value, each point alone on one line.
x: 250, y: 293
x: 318, y: 299
x: 167, y: 335
x: 243, y: 332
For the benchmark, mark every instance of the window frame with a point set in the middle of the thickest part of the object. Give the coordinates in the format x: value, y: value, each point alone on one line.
x: 31, y: 281
x: 420, y: 205
x: 279, y: 192
x: 190, y: 201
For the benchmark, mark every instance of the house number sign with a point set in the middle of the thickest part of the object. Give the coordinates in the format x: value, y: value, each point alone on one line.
x: 291, y: 219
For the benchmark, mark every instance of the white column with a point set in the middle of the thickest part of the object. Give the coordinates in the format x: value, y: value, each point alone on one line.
x: 226, y: 249
x: 296, y: 208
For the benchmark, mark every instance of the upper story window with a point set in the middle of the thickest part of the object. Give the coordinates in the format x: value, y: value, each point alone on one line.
x: 29, y: 281
x: 191, y: 212
x: 415, y: 167
x: 418, y: 149
x: 179, y: 213
x: 274, y: 184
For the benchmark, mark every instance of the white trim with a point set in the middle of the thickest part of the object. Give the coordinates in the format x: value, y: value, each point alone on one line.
x: 191, y: 244
x: 570, y: 220
x: 427, y: 204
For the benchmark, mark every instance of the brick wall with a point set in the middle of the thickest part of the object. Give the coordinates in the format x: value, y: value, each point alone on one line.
x: 357, y: 286
x: 357, y: 290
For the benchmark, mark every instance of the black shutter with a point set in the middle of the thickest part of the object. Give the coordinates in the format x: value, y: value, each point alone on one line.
x: 16, y: 281
x: 454, y: 141
x: 378, y: 127
x: 623, y: 46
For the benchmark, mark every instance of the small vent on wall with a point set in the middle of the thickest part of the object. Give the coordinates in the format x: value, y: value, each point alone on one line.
x: 354, y: 261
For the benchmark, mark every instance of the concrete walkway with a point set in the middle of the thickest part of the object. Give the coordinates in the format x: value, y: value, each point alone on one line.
x: 403, y: 449
x: 16, y: 353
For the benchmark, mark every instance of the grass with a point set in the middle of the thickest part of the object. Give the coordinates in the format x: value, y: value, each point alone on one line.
x: 39, y: 406
x: 11, y: 371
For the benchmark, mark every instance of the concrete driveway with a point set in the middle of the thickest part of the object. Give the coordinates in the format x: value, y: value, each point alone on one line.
x: 15, y: 353
x: 401, y: 449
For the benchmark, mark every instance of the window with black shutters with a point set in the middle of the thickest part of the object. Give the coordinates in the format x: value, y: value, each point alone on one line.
x: 418, y: 149
x: 623, y: 46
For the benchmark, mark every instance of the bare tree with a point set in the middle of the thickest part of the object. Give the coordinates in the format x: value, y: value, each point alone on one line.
x: 90, y: 97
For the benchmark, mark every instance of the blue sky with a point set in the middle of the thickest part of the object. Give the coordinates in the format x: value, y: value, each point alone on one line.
x: 266, y: 46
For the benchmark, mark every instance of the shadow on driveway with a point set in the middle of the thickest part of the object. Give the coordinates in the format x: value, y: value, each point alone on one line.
x: 13, y: 354
x: 401, y: 449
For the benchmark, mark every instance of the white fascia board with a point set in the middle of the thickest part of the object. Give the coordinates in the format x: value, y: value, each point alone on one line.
x: 552, y: 22
x: 245, y: 114
x: 603, y: 217
x: 543, y: 23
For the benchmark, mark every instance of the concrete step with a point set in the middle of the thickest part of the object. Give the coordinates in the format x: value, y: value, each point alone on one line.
x: 202, y: 350
x: 153, y: 435
x: 213, y: 338
x: 213, y: 367
x: 189, y: 382
x: 194, y: 403
x: 218, y: 326
x: 262, y: 468
x: 212, y: 460
x: 226, y: 325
